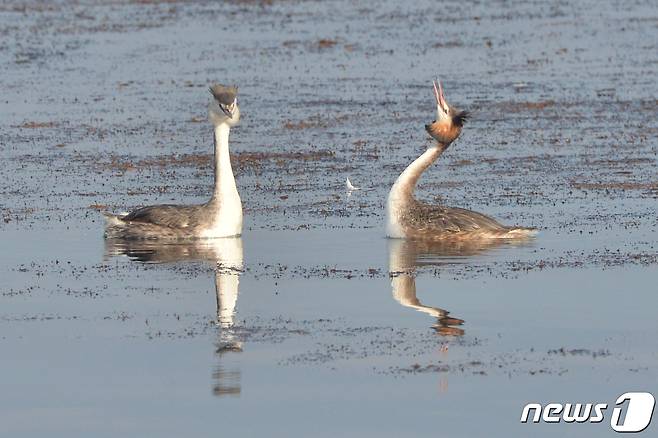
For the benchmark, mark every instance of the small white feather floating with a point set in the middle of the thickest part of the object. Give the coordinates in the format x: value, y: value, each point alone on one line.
x: 349, y: 186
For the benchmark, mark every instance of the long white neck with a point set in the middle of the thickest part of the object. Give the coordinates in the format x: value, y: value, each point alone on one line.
x: 224, y: 179
x: 405, y: 185
x: 402, y: 192
x: 225, y: 204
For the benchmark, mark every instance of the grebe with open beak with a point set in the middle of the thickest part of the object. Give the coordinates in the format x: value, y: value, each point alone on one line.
x: 409, y: 218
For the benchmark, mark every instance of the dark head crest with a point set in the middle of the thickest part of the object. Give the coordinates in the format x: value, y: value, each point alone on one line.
x: 224, y: 95
x: 460, y: 118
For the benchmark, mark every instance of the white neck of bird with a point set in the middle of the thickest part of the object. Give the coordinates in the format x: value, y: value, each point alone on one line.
x: 405, y: 185
x: 224, y: 179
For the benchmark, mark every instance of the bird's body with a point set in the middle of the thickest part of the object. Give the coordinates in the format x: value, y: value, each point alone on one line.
x: 221, y: 216
x: 174, y: 222
x: 435, y: 222
x: 409, y: 218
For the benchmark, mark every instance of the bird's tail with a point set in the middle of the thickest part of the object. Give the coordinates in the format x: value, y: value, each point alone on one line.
x: 520, y: 233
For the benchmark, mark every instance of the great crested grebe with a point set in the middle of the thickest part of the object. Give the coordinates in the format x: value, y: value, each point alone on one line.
x: 221, y: 216
x: 409, y: 218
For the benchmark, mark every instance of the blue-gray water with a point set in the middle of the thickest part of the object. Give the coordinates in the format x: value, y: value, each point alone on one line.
x: 103, y: 107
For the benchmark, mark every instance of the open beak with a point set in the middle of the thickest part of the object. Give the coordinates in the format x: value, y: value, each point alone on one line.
x: 438, y: 94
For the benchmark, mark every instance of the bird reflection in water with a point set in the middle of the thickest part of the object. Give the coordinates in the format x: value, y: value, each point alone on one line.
x: 226, y: 254
x: 406, y: 256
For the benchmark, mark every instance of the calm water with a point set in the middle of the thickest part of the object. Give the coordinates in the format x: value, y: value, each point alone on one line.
x: 314, y: 324
x: 139, y: 348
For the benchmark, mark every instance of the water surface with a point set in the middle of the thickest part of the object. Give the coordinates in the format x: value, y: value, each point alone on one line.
x: 314, y: 324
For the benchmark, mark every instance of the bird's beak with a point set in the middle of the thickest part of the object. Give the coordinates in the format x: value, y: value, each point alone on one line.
x: 438, y: 94
x: 226, y: 111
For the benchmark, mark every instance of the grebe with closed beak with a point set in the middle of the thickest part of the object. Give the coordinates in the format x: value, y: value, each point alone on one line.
x: 409, y: 218
x: 221, y: 216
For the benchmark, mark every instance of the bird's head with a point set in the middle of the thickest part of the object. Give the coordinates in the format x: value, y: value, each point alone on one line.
x: 224, y: 107
x: 449, y: 120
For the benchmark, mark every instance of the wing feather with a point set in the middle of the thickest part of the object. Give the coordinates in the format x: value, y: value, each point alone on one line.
x: 434, y: 219
x: 166, y: 215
